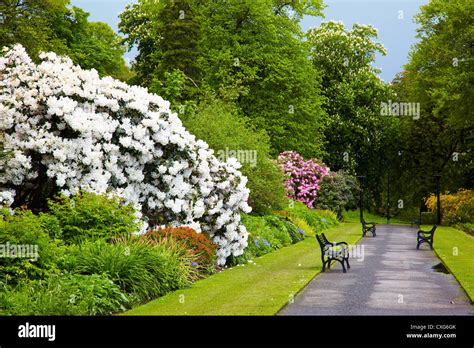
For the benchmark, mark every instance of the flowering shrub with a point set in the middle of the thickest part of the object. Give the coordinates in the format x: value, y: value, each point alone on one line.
x: 337, y: 192
x: 303, y: 176
x: 200, y: 245
x: 68, y: 129
x: 455, y: 208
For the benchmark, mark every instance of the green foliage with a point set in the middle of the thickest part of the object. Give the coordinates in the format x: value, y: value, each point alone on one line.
x: 301, y: 224
x: 466, y: 227
x: 456, y: 207
x: 338, y: 192
x: 266, y: 234
x: 439, y: 76
x: 285, y: 225
x: 32, y: 254
x: 94, y: 45
x: 51, y: 225
x: 219, y: 125
x: 90, y: 216
x: 65, y: 294
x: 428, y: 218
x: 353, y: 93
x: 142, y: 269
x: 319, y: 220
x: 52, y: 25
x: 32, y: 23
x: 268, y: 237
x: 358, y: 138
x: 249, y: 53
x: 167, y: 36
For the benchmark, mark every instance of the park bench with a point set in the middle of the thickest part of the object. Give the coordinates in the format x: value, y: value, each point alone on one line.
x: 426, y: 237
x: 333, y: 251
x: 368, y: 227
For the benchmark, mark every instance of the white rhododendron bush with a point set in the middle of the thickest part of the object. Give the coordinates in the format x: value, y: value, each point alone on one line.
x: 83, y: 132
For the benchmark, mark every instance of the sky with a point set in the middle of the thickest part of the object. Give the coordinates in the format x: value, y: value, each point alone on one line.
x: 392, y: 18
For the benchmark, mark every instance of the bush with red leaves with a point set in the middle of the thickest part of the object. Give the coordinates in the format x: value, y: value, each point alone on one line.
x: 199, y: 243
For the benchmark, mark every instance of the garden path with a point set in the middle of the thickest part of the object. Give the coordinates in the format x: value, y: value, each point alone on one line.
x: 393, y: 279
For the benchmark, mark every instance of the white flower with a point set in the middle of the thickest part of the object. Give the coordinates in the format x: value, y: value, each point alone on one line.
x: 71, y: 123
x: 6, y: 198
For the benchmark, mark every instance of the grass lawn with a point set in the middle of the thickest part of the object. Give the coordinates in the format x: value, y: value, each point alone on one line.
x: 448, y: 242
x: 353, y: 216
x: 262, y: 288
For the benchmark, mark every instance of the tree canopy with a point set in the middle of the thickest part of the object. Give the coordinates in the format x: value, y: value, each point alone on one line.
x: 439, y: 77
x: 53, y: 25
x: 249, y: 53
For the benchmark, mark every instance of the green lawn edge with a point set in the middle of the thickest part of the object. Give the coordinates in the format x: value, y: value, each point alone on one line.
x: 461, y: 266
x: 263, y: 288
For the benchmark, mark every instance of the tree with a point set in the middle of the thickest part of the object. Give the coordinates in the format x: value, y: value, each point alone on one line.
x: 33, y: 23
x: 231, y: 135
x: 166, y: 34
x: 338, y: 192
x: 94, y: 45
x: 356, y: 133
x: 51, y: 25
x: 249, y: 53
x: 439, y: 77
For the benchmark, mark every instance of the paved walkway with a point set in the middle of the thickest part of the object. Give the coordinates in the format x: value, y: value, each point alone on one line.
x: 393, y: 279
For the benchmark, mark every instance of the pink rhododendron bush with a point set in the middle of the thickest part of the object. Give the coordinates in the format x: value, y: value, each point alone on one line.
x: 303, y: 176
x: 70, y: 130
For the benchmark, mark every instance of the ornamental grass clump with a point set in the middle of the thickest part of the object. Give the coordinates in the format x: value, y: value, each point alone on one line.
x: 141, y: 269
x: 69, y: 130
x: 65, y: 294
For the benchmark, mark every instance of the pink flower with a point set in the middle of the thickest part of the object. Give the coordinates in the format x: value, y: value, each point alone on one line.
x: 303, y: 176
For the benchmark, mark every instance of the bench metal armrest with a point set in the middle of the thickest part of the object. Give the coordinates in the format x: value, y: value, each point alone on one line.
x: 425, y: 232
x: 425, y: 235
